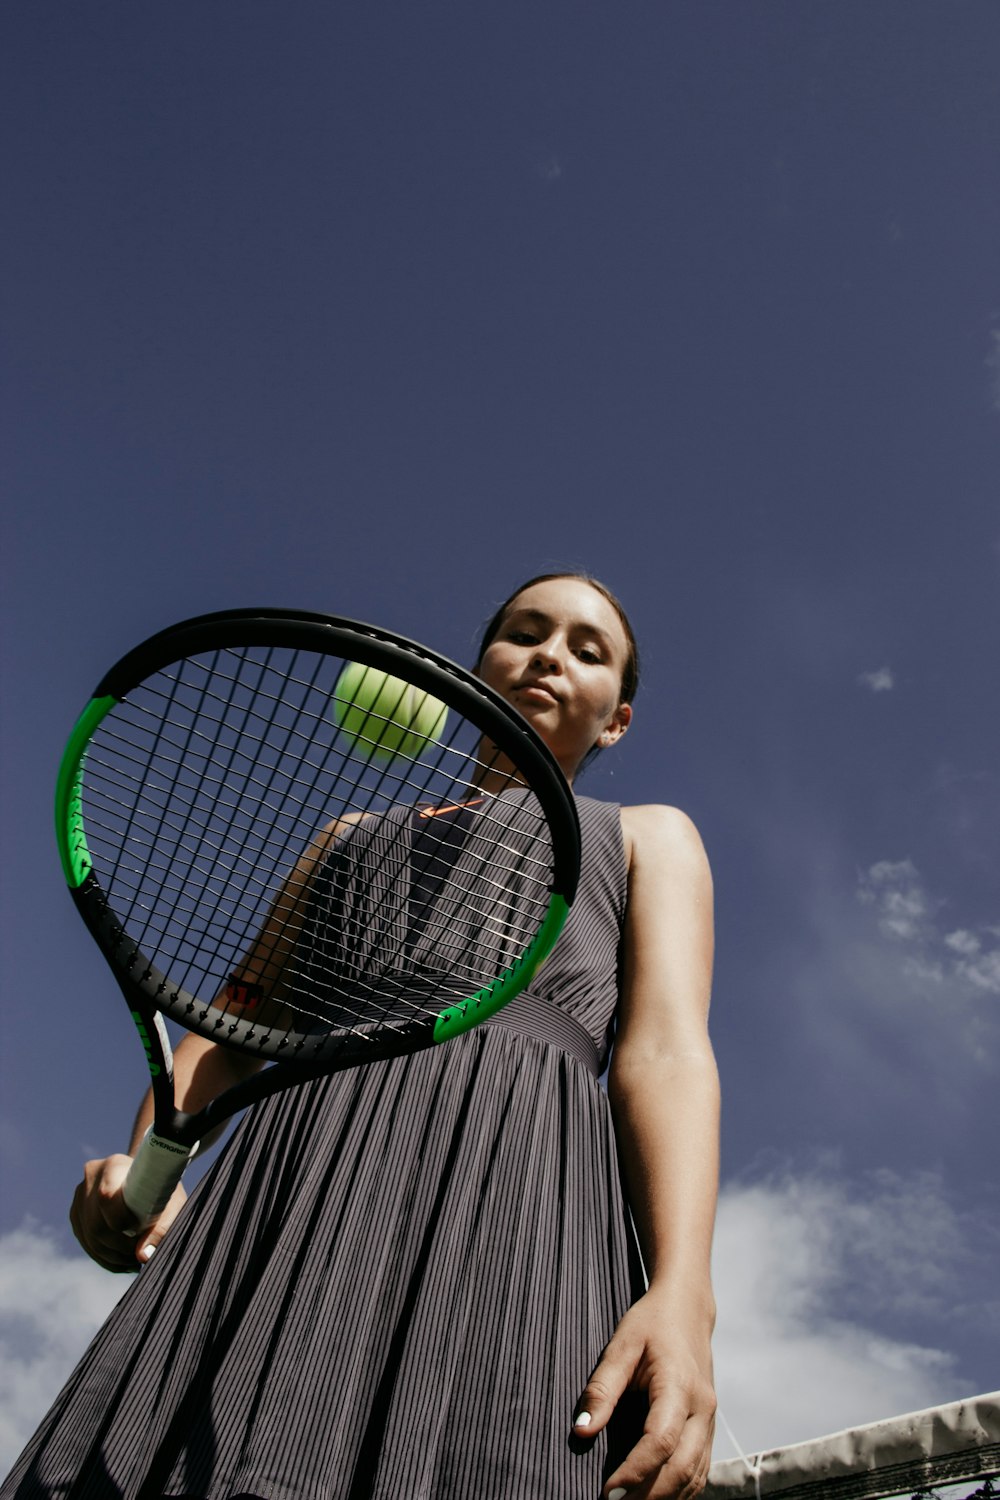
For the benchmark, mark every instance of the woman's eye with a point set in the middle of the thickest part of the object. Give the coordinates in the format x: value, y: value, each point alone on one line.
x: 522, y: 637
x: 586, y: 654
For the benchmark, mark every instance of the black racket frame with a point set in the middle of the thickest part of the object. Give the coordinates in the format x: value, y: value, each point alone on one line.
x: 148, y: 992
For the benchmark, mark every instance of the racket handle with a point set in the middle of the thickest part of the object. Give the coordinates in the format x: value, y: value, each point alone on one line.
x: 156, y: 1169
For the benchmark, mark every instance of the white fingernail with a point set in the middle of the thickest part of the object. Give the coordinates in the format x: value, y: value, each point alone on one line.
x: 146, y: 1253
x: 617, y: 1493
x: 583, y: 1420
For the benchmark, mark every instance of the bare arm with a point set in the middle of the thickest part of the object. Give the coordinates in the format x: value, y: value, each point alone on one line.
x: 100, y: 1219
x: 664, y: 1094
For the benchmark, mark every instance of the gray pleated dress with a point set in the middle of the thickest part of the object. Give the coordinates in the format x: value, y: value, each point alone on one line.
x: 394, y: 1282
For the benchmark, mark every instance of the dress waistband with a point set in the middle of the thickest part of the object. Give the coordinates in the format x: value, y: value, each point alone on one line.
x: 544, y: 1022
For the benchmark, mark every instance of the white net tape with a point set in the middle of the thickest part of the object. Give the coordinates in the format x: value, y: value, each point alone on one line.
x: 944, y: 1445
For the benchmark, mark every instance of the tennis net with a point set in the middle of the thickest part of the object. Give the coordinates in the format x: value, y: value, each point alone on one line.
x: 924, y: 1453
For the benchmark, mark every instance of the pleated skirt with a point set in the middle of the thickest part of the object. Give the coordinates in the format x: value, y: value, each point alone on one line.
x: 393, y: 1283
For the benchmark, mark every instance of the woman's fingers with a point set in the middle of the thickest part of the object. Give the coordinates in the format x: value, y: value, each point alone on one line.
x: 671, y: 1459
x: 147, y: 1241
x: 665, y: 1464
x: 104, y: 1224
x: 607, y: 1384
x: 99, y: 1216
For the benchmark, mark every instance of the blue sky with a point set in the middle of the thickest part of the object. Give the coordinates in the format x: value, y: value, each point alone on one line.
x: 377, y: 310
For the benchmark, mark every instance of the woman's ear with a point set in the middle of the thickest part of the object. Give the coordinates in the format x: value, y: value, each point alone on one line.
x: 613, y: 732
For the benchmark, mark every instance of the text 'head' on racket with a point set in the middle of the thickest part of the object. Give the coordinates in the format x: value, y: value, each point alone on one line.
x: 310, y: 840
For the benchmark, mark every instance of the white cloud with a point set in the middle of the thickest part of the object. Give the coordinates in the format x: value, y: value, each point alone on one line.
x: 808, y: 1270
x: 51, y: 1304
x: 965, y: 943
x: 905, y: 913
x: 982, y: 972
x: 894, y: 889
x: 880, y: 681
x: 980, y: 969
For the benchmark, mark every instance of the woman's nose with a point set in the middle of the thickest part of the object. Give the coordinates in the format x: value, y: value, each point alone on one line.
x: 546, y: 656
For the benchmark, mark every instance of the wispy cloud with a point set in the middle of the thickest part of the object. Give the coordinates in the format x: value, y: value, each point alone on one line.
x: 51, y: 1304
x: 993, y: 365
x: 979, y: 967
x: 810, y: 1269
x: 880, y: 681
x: 893, y: 888
x: 548, y: 168
x: 894, y: 1032
x: 905, y: 913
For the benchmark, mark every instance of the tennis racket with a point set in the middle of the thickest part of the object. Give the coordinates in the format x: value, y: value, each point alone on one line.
x: 310, y: 840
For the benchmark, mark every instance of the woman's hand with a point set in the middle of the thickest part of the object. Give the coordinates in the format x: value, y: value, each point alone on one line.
x: 658, y: 1347
x: 102, y: 1222
x: 106, y: 1227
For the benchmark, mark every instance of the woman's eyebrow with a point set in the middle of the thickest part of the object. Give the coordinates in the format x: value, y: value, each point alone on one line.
x: 539, y: 617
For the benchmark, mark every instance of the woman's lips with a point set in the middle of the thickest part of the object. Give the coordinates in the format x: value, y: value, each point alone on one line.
x: 537, y: 691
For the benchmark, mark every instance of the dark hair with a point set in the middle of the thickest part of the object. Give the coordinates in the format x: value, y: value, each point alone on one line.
x: 630, y: 671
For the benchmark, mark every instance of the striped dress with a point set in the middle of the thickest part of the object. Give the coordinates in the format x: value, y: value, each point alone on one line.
x: 394, y: 1283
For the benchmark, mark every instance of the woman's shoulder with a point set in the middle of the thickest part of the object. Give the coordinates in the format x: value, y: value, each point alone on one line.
x: 657, y: 832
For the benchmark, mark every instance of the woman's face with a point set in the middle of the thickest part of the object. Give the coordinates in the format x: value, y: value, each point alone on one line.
x: 558, y: 656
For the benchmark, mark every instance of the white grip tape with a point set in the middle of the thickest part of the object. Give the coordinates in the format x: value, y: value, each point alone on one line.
x: 156, y: 1169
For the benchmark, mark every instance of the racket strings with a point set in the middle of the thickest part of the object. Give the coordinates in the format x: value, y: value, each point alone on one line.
x: 222, y: 869
x: 221, y: 713
x: 452, y: 922
x: 243, y: 863
x: 484, y: 908
x: 133, y: 812
x: 174, y: 768
x: 313, y: 719
x: 473, y: 910
x: 389, y: 774
x: 283, y: 736
x: 199, y: 803
x: 205, y: 780
x: 455, y: 922
x: 290, y: 988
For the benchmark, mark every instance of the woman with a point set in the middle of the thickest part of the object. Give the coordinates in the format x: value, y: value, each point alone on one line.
x: 397, y: 1282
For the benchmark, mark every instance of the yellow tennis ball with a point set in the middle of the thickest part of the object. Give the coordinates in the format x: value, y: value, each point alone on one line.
x: 384, y: 715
